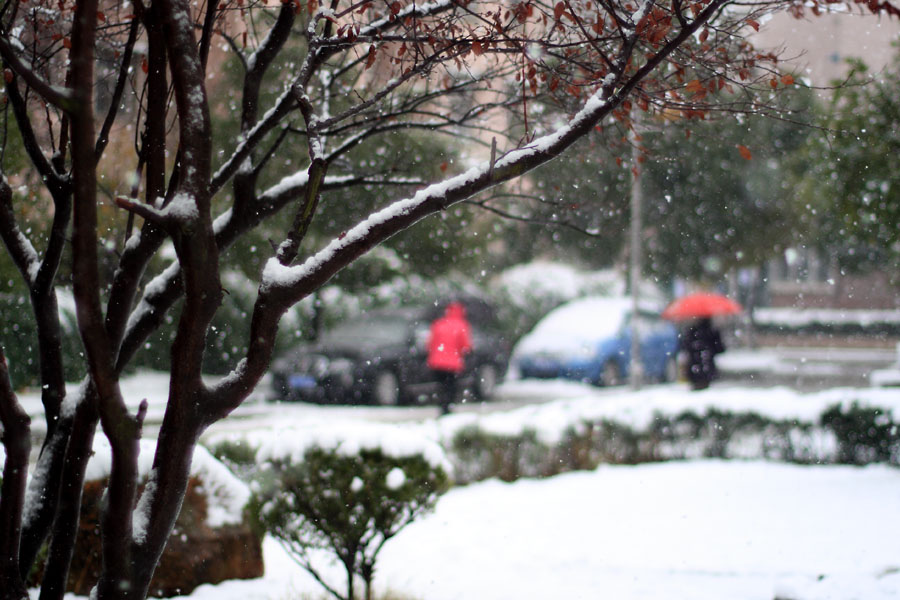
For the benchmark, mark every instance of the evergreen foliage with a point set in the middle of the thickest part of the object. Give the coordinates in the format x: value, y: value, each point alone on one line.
x: 842, y: 435
x: 865, y: 434
x: 846, y: 175
x: 702, y: 198
x: 346, y: 505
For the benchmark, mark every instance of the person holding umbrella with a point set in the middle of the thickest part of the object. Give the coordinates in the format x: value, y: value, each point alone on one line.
x: 701, y: 342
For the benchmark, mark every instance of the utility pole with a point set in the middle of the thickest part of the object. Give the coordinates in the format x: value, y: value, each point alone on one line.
x: 636, y: 372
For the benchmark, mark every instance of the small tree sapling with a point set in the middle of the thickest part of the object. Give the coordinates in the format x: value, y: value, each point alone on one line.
x: 348, y: 505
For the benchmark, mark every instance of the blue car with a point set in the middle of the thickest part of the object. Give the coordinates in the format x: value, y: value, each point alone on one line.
x: 589, y: 340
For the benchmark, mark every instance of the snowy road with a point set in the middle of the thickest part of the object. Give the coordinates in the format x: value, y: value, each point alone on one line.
x: 801, y: 369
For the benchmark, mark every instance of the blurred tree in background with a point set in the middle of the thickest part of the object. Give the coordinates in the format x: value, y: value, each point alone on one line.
x: 846, y: 175
x: 709, y: 187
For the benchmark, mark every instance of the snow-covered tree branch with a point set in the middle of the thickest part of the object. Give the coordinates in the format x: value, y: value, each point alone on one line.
x: 209, y: 123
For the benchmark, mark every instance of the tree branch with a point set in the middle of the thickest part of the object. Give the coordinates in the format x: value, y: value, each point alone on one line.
x: 59, y: 97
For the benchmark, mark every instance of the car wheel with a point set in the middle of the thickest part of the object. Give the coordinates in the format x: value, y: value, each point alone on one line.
x: 610, y: 375
x: 386, y: 389
x: 486, y: 378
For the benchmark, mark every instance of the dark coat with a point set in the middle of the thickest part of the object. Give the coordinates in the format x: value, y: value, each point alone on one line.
x: 701, y: 342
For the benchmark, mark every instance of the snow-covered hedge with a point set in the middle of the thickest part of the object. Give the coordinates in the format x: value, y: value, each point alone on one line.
x: 828, y: 320
x: 558, y: 437
x: 855, y: 426
x: 479, y: 454
x: 290, y: 442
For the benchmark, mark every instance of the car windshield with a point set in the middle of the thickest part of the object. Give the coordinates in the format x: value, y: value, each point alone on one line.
x: 378, y: 329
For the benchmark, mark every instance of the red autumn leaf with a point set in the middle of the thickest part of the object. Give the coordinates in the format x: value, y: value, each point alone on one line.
x: 660, y: 33
x: 745, y: 152
x: 145, y: 66
x: 753, y: 24
x: 704, y: 35
x: 773, y: 83
x: 67, y: 43
x: 558, y: 10
x: 787, y: 79
x: 695, y: 86
x: 370, y: 60
x: 101, y: 17
x: 477, y: 48
x: 444, y: 166
x: 395, y: 7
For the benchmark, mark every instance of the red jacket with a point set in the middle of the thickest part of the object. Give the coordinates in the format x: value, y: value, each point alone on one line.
x: 449, y: 340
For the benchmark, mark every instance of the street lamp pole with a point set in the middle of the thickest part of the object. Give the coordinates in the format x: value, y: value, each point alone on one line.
x: 635, y: 373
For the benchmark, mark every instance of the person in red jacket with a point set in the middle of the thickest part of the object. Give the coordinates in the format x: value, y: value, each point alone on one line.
x: 449, y: 340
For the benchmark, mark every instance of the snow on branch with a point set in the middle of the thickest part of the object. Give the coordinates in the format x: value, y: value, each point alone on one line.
x: 19, y: 246
x: 444, y: 193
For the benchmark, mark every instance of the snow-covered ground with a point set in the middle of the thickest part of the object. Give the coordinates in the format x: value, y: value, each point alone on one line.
x: 690, y: 530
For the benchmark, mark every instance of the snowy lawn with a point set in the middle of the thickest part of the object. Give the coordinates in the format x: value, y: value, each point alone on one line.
x: 690, y: 530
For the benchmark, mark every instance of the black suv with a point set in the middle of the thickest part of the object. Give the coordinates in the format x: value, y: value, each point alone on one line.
x: 379, y: 358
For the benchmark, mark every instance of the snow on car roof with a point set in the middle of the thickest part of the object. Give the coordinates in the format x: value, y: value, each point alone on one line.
x: 573, y: 324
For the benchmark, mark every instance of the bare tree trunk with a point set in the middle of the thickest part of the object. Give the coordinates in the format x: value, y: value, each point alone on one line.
x: 17, y: 441
x: 162, y: 499
x: 68, y: 513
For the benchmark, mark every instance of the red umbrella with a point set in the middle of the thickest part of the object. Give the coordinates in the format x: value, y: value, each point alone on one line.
x: 701, y: 304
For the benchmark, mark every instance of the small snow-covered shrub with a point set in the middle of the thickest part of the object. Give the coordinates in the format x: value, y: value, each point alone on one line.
x: 237, y: 455
x: 346, y: 504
